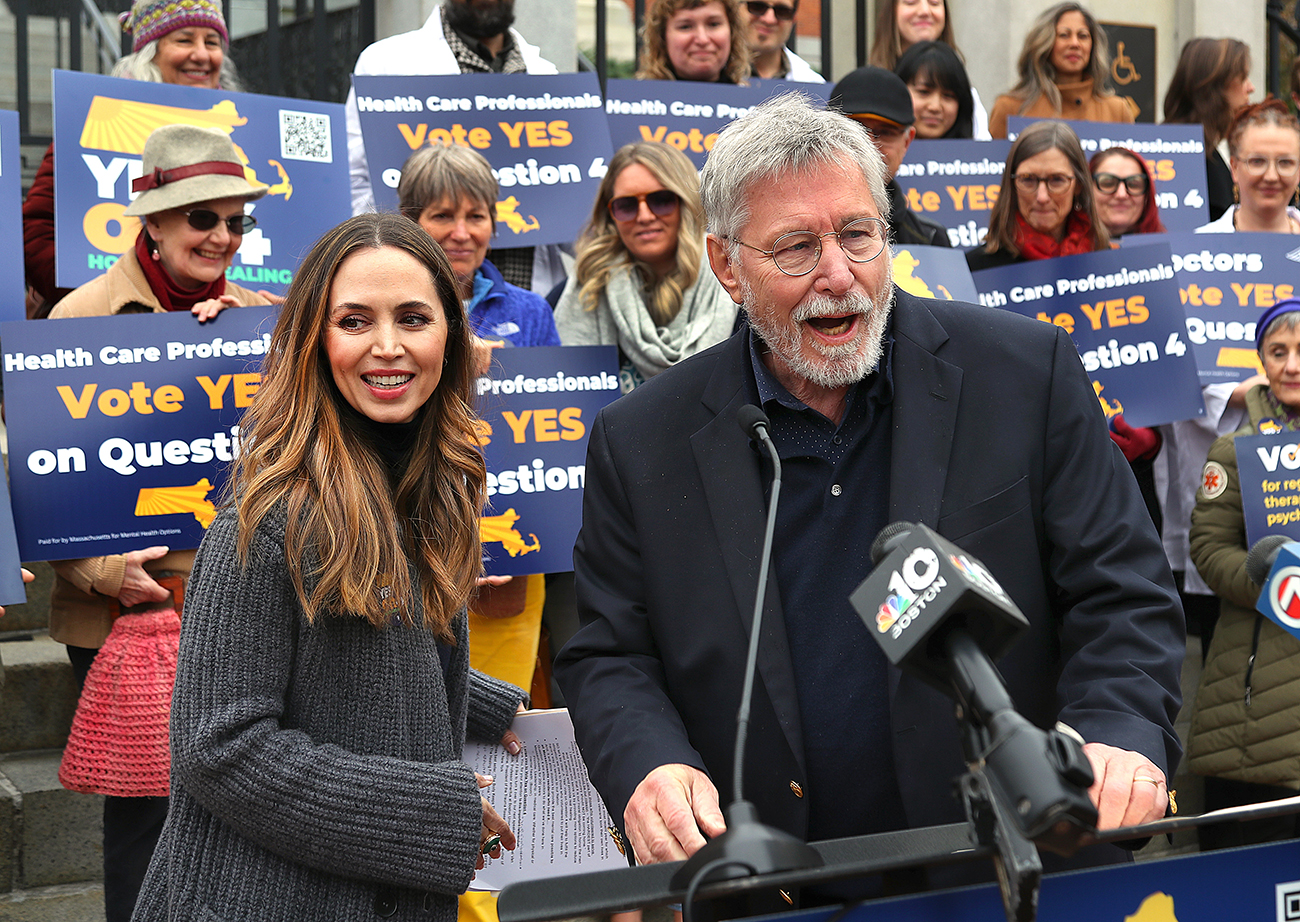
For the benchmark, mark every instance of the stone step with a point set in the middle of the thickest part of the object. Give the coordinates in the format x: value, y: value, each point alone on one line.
x: 48, y: 835
x: 39, y: 695
x: 34, y: 615
x: 62, y: 903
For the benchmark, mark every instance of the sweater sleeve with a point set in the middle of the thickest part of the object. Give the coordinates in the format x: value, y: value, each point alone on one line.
x: 245, y: 649
x: 102, y: 575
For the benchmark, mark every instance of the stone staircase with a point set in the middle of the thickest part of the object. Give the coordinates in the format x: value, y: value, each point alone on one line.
x: 51, y: 851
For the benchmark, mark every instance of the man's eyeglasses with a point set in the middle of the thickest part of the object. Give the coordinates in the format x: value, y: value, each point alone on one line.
x: 1257, y: 166
x: 758, y: 9
x: 202, y: 219
x: 798, y: 252
x: 1109, y: 183
x: 661, y: 202
x: 1056, y: 183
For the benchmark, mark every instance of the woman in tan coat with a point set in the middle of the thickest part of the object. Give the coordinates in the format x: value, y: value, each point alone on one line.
x: 192, y: 198
x: 1064, y: 73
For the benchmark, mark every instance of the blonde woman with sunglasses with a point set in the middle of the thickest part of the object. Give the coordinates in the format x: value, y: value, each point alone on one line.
x: 640, y: 282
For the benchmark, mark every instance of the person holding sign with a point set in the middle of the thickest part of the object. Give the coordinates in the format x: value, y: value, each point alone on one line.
x: 184, y: 43
x: 1210, y: 85
x: 640, y: 282
x: 1241, y: 738
x: 700, y: 40
x: 1121, y: 180
x: 1064, y: 73
x: 192, y: 195
x: 323, y: 691
x: 1264, y: 143
x: 1046, y: 208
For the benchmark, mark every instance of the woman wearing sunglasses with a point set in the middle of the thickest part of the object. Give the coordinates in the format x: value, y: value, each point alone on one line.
x: 641, y: 282
x: 191, y: 195
x: 1121, y: 182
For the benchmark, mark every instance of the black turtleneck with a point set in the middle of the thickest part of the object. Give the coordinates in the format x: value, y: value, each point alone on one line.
x: 392, y: 441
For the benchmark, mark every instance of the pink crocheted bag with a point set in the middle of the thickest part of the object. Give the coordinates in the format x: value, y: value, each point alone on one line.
x: 118, y: 743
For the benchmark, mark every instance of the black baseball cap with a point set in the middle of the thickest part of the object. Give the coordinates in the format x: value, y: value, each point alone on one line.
x: 876, y: 93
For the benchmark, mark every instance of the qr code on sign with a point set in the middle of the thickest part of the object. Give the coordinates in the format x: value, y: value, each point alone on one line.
x: 305, y: 136
x: 1288, y: 901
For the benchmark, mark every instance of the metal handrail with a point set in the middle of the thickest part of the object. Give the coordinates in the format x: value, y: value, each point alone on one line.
x: 109, y: 48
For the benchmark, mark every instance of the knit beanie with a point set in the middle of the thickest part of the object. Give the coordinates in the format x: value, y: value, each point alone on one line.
x: 150, y: 20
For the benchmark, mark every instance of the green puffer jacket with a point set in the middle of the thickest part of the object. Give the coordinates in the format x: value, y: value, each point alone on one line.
x: 1246, y: 718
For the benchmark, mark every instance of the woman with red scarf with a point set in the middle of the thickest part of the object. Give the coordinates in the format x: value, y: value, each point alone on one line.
x: 1047, y: 208
x: 191, y: 195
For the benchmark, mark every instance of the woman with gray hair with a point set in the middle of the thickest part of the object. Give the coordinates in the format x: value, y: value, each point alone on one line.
x: 1064, y: 73
x: 449, y: 190
x: 183, y: 42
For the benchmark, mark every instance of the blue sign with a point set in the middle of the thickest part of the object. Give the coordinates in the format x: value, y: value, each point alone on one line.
x: 933, y: 272
x: 1225, y: 282
x: 12, y: 591
x: 1176, y: 154
x: 1121, y: 309
x: 545, y: 137
x: 686, y: 114
x: 954, y: 183
x: 1268, y: 467
x: 295, y: 146
x: 1260, y: 884
x: 122, y: 429
x: 12, y: 293
x: 536, y: 406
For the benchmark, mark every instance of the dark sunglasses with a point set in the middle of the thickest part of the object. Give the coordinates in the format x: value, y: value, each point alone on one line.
x: 758, y: 9
x: 1109, y: 182
x: 661, y: 202
x: 202, y: 219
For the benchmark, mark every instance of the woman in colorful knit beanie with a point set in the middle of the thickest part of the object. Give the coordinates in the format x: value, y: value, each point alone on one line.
x: 183, y: 42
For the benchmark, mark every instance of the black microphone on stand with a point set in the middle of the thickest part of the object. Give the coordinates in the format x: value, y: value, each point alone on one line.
x: 749, y: 848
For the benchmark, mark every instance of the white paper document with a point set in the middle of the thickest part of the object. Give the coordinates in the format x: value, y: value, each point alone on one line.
x: 545, y: 796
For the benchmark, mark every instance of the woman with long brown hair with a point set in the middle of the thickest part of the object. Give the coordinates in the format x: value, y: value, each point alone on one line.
x: 323, y: 690
x: 702, y: 40
x: 1064, y: 70
x: 1211, y: 84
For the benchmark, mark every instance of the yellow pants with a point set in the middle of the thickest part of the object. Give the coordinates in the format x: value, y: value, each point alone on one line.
x: 506, y: 649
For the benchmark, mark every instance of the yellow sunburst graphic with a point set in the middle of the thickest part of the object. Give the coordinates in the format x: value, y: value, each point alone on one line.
x: 122, y: 125
x: 1158, y: 907
x: 174, y: 500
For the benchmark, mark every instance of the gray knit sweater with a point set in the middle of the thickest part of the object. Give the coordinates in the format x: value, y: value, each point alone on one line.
x: 316, y: 769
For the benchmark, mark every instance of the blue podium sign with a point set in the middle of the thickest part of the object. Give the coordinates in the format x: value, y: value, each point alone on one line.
x: 295, y: 146
x: 536, y: 406
x: 1225, y: 282
x: 121, y: 429
x: 1176, y: 154
x: 1121, y: 309
x: 954, y: 183
x: 545, y: 137
x: 686, y: 114
x: 12, y: 293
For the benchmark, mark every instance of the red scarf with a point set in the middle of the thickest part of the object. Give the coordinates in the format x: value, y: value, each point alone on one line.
x: 171, y: 296
x: 1035, y: 244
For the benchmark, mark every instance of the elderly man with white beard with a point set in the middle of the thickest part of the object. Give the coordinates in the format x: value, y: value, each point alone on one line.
x: 975, y: 422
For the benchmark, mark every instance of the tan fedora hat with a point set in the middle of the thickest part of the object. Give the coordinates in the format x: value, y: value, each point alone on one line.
x: 185, y: 164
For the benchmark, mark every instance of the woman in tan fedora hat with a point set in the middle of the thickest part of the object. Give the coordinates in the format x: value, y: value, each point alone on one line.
x: 191, y: 197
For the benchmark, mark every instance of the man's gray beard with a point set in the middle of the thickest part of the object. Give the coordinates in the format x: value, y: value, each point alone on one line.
x: 841, y: 365
x: 480, y: 23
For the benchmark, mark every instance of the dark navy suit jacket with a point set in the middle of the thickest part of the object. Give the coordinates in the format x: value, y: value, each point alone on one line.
x: 998, y: 444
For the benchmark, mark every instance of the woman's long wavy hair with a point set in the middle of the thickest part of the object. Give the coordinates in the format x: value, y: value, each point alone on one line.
x: 600, y: 250
x: 1198, y: 90
x: 654, y: 55
x: 1039, y: 137
x: 888, y: 47
x: 139, y: 65
x: 1038, y: 76
x: 350, y: 532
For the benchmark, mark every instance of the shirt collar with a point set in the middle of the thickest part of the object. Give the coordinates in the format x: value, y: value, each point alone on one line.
x: 879, y: 383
